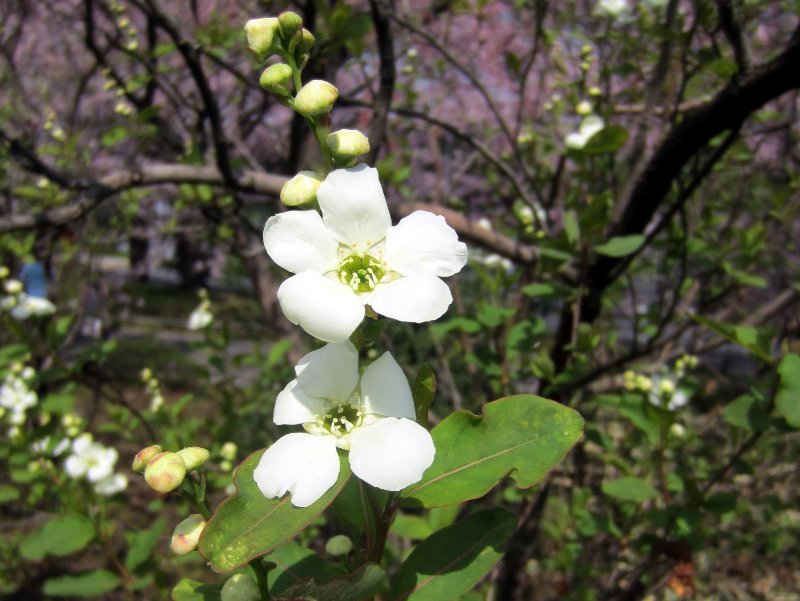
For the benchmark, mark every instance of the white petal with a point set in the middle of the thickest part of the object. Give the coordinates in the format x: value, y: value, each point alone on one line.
x: 299, y: 241
x: 330, y: 372
x: 391, y: 453
x: 81, y: 444
x: 424, y: 243
x: 417, y: 298
x: 354, y: 207
x: 324, y: 308
x: 74, y: 466
x: 302, y: 464
x: 575, y: 141
x: 590, y: 126
x: 294, y: 407
x: 385, y: 389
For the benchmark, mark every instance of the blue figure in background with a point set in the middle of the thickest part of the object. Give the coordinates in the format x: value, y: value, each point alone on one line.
x: 34, y: 280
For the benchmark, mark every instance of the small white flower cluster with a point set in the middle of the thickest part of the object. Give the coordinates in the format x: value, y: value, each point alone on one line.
x: 590, y: 125
x: 20, y: 305
x: 201, y: 317
x: 95, y: 463
x: 16, y: 396
x: 663, y: 390
x: 153, y: 389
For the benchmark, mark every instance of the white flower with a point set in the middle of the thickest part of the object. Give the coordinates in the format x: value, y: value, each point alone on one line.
x: 352, y: 256
x: 111, y: 484
x: 665, y: 393
x: 612, y: 8
x: 589, y: 127
x: 374, y: 420
x: 27, y: 306
x: 17, y: 398
x: 200, y: 318
x: 90, y: 459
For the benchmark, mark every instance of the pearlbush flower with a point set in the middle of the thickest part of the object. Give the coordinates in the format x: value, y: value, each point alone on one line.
x: 373, y: 419
x: 352, y: 256
x: 90, y: 460
x: 17, y: 397
x: 588, y: 128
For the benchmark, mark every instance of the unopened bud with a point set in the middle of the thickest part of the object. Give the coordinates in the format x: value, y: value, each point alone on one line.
x: 595, y: 91
x: 316, y: 98
x: 4, y: 272
x: 240, y: 587
x: 583, y: 108
x: 306, y: 42
x: 290, y: 23
x: 339, y: 545
x: 666, y: 388
x: 348, y: 143
x: 13, y: 286
x: 193, y: 457
x: 144, y: 456
x: 301, y: 189
x: 229, y: 450
x: 276, y: 78
x: 186, y: 534
x: 261, y: 36
x: 165, y: 472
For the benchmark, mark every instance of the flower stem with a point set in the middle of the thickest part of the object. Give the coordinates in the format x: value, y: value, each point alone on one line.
x: 378, y: 520
x: 261, y: 577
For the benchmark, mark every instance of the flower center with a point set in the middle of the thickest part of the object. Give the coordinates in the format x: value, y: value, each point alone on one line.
x: 361, y: 272
x: 341, y: 419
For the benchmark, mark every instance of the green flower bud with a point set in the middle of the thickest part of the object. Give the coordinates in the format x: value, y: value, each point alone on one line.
x: 305, y: 44
x: 240, y: 587
x: 315, y: 98
x: 583, y: 108
x: 348, y: 143
x: 186, y: 534
x: 4, y: 272
x: 229, y: 450
x: 276, y: 78
x: 165, y: 472
x: 15, y: 286
x: 301, y: 189
x: 261, y: 36
x: 339, y: 545
x: 193, y: 457
x: 142, y: 458
x: 290, y: 23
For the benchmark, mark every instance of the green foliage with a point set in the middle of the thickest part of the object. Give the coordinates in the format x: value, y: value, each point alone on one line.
x: 631, y: 489
x: 620, y: 246
x: 191, y: 590
x: 787, y: 400
x: 59, y: 536
x: 89, y: 584
x: 366, y: 582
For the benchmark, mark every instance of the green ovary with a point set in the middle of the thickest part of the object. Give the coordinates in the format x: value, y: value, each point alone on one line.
x: 341, y: 419
x: 361, y: 272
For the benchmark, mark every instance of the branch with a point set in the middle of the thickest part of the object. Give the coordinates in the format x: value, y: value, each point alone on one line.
x: 381, y: 13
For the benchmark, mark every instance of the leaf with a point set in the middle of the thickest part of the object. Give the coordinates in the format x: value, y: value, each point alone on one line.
x: 293, y: 564
x: 523, y: 435
x: 90, y: 584
x: 571, y: 228
x: 60, y: 536
x: 141, y: 544
x: 747, y: 412
x: 423, y: 393
x: 629, y: 489
x: 620, y: 246
x: 787, y: 399
x: 745, y: 336
x: 609, y: 139
x: 8, y: 493
x: 542, y: 290
x: 366, y: 582
x: 191, y: 590
x: 247, y: 524
x: 451, y: 561
x: 411, y: 526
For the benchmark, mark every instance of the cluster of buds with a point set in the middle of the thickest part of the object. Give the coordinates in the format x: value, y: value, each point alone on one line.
x: 164, y: 471
x: 50, y: 125
x: 661, y: 390
x: 20, y: 305
x: 16, y: 395
x: 684, y: 364
x: 228, y: 454
x: 202, y: 316
x: 94, y: 462
x: 153, y: 389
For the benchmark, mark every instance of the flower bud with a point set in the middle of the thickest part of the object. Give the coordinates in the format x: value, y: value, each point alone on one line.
x: 666, y: 388
x: 165, y: 472
x: 348, y: 143
x: 276, y: 78
x: 290, y: 23
x: 339, y: 545
x: 301, y: 189
x: 4, y: 272
x: 13, y: 286
x: 240, y: 587
x: 193, y: 457
x: 261, y: 36
x: 186, y: 534
x: 583, y: 108
x: 307, y: 41
x: 315, y: 98
x: 229, y: 450
x: 144, y: 456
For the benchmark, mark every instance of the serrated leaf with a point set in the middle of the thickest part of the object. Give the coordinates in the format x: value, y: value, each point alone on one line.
x: 787, y: 399
x: 451, y: 561
x: 631, y: 489
x: 423, y: 393
x: 620, y: 246
x: 524, y: 436
x: 366, y: 582
x: 191, y: 590
x: 90, y: 584
x: 60, y: 536
x: 247, y: 525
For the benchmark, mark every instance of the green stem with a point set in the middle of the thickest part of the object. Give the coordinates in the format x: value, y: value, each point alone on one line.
x: 261, y: 577
x: 378, y: 520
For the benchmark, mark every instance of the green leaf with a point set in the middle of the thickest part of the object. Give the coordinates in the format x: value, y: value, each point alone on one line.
x: 8, y: 493
x: 787, y: 399
x: 191, y: 590
x: 141, y: 544
x: 293, y: 564
x: 411, y: 526
x: 423, y: 393
x: 90, y: 584
x: 543, y: 290
x: 366, y: 582
x: 629, y: 489
x: 609, y: 139
x: 747, y: 412
x: 247, y: 525
x: 745, y: 336
x: 620, y: 246
x: 60, y: 536
x: 523, y: 435
x: 451, y: 561
x: 571, y: 228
